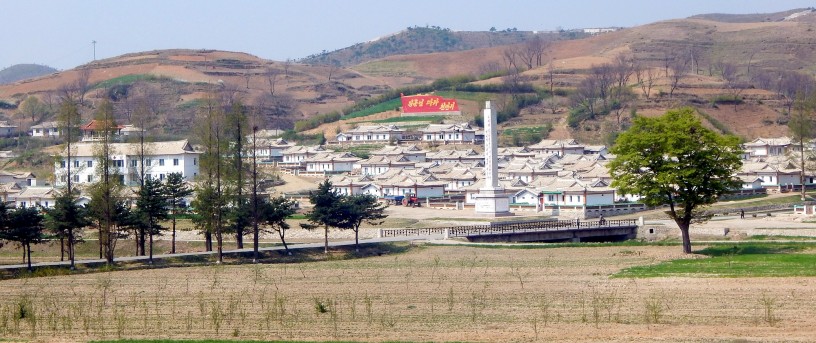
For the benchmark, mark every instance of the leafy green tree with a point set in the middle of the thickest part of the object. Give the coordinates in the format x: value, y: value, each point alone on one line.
x: 150, y: 209
x: 674, y: 160
x: 273, y: 213
x: 325, y: 203
x: 175, y: 190
x: 24, y: 226
x: 65, y: 219
x: 356, y: 209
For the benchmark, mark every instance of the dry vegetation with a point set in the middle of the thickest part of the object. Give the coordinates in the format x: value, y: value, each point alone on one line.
x: 433, y: 293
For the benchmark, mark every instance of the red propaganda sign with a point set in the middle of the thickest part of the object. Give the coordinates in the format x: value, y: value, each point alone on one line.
x: 428, y: 103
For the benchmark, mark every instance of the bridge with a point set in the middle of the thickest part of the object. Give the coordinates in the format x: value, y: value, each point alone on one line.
x: 530, y: 231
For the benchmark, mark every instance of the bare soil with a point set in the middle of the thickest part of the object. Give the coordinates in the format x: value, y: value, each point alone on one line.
x: 430, y: 293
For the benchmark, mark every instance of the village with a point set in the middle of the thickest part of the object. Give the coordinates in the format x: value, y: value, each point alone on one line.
x: 438, y: 166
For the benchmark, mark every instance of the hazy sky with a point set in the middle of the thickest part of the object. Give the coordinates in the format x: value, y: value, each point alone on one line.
x: 58, y: 33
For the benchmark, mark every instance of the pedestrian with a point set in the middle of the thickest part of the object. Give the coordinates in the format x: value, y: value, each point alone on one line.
x: 601, y: 220
x: 742, y: 214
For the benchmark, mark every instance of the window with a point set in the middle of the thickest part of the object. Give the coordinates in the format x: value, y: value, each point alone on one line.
x: 161, y: 177
x: 175, y: 162
x: 122, y: 179
x: 148, y: 162
x: 195, y: 161
x: 118, y: 163
x: 76, y: 163
x: 90, y: 178
x: 90, y: 164
x: 22, y: 204
x: 134, y: 163
x: 161, y: 161
x: 428, y: 137
x: 62, y: 164
x: 76, y: 178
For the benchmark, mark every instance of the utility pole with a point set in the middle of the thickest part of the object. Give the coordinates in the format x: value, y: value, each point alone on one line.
x: 94, y: 49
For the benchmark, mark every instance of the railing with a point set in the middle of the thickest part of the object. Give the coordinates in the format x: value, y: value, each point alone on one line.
x: 511, y: 227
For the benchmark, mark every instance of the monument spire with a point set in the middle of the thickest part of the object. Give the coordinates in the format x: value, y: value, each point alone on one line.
x: 492, y: 199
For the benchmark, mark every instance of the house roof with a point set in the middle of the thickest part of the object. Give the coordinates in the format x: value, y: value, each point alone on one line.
x: 86, y: 149
x: 94, y: 125
x: 46, y: 125
x: 364, y: 129
x: 780, y: 141
x: 447, y: 128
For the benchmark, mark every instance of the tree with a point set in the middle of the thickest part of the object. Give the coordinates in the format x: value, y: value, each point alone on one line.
x: 24, y: 226
x: 273, y: 213
x: 65, y: 219
x: 356, y: 209
x: 150, y: 209
x: 106, y: 191
x: 210, y: 197
x: 674, y: 160
x: 324, y: 211
x: 175, y: 190
x: 33, y: 108
x: 676, y: 69
x: 800, y: 126
x: 236, y: 130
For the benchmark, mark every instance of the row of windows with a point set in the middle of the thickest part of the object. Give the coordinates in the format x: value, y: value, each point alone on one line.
x: 133, y: 163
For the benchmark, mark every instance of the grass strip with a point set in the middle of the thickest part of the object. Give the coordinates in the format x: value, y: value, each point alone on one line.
x: 753, y: 259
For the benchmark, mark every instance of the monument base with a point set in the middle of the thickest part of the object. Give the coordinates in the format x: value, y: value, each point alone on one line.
x: 493, y: 203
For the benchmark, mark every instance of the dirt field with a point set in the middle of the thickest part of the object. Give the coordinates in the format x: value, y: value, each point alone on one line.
x: 434, y: 293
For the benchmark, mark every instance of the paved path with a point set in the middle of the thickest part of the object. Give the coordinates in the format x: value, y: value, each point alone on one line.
x: 227, y: 252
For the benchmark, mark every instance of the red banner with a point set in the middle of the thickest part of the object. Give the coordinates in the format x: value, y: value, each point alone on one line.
x: 428, y: 103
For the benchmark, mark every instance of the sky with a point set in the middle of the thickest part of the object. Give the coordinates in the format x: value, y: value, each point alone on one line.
x: 59, y: 33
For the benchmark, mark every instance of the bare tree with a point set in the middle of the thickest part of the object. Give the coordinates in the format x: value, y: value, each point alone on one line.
x: 645, y: 77
x: 272, y: 79
x: 510, y: 57
x: 334, y: 66
x: 732, y: 80
x: 82, y: 83
x: 604, y: 79
x: 531, y: 52
x: 678, y: 67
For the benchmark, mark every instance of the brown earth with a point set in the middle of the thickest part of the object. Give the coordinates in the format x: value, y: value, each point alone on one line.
x: 430, y: 293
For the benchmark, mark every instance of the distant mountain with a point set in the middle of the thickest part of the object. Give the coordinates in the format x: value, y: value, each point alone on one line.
x: 751, y: 18
x: 423, y: 40
x: 19, y: 72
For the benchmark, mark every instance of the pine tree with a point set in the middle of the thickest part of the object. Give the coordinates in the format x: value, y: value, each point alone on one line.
x: 150, y: 209
x: 175, y: 190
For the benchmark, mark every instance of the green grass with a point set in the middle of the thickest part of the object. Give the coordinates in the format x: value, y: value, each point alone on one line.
x: 361, y: 151
x: 433, y: 119
x: 736, y: 260
x: 127, y: 80
x: 389, y: 105
x: 195, y: 103
x: 791, y: 199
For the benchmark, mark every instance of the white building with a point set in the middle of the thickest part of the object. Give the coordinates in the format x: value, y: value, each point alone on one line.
x: 45, y: 129
x: 448, y: 133
x: 162, y: 158
x: 763, y: 147
x: 6, y: 129
x: 371, y: 134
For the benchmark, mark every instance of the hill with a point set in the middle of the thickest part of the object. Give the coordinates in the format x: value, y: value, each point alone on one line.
x: 23, y: 71
x: 750, y: 18
x: 424, y: 40
x: 760, y: 50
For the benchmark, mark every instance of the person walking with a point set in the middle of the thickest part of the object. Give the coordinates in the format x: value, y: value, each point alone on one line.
x: 742, y: 214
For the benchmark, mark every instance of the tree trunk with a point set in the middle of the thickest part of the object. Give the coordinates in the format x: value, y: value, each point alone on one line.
x: 255, y: 243
x: 71, y: 249
x: 357, y: 239
x: 684, y: 230
x: 100, y: 241
x: 802, y: 172
x: 325, y: 239
x: 239, y: 238
x: 220, y: 242
x: 173, y: 243
x: 208, y: 241
x: 28, y: 249
x: 150, y: 259
x: 285, y: 247
x: 62, y: 249
x: 142, y: 242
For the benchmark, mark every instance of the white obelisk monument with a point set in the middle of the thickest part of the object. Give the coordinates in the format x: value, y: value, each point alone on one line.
x: 492, y: 200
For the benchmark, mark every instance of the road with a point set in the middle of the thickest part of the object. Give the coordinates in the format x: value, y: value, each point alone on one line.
x: 226, y: 252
